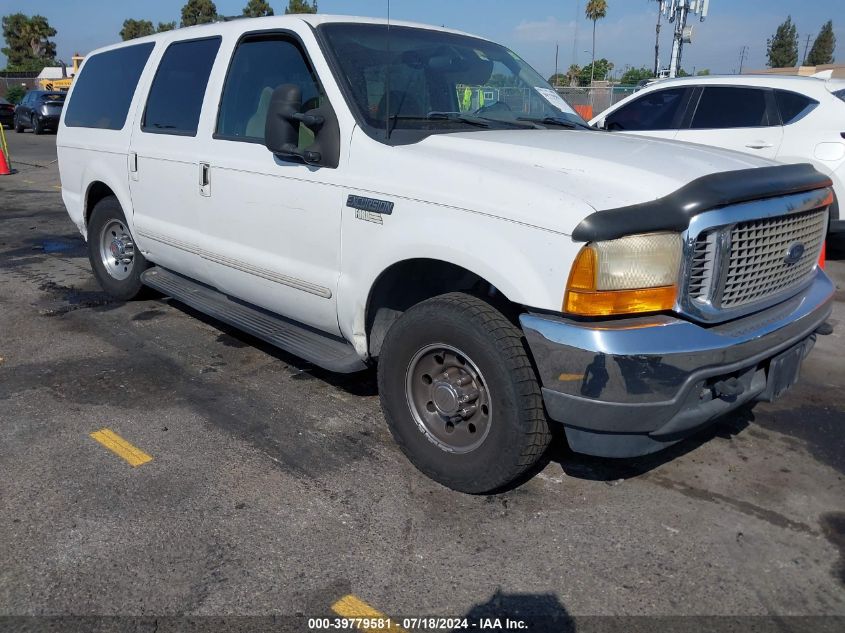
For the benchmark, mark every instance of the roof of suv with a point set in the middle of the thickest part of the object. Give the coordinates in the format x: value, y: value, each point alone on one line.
x: 270, y: 22
x: 786, y: 82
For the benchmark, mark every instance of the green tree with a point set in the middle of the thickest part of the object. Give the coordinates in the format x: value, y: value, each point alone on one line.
x: 136, y: 28
x: 165, y: 26
x: 301, y: 6
x: 703, y: 72
x: 823, y: 47
x: 15, y: 93
x: 595, y: 11
x: 782, y: 48
x: 28, y: 45
x: 257, y: 9
x: 591, y: 71
x: 198, y: 12
x: 633, y: 76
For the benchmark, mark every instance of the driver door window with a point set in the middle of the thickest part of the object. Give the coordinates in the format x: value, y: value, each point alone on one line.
x: 250, y: 83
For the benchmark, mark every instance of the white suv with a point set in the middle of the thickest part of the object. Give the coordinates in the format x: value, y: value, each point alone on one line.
x: 422, y: 200
x: 784, y: 118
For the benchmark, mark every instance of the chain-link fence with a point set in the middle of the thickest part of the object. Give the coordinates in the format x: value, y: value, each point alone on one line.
x: 28, y: 80
x: 591, y: 101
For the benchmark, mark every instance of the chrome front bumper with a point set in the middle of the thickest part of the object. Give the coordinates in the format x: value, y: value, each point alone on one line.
x: 629, y: 387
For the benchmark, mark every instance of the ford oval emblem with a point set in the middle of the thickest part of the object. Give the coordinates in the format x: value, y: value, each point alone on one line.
x: 794, y: 253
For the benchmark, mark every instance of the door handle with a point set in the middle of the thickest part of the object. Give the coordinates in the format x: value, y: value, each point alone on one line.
x: 205, y: 184
x: 759, y: 145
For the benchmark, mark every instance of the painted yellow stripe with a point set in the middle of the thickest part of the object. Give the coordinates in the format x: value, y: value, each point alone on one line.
x: 120, y: 447
x: 570, y: 377
x: 352, y: 607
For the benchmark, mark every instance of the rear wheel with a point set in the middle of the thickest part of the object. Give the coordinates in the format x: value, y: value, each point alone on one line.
x: 116, y: 263
x: 37, y: 125
x: 460, y: 395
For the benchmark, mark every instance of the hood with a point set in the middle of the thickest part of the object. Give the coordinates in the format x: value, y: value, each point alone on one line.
x: 554, y: 178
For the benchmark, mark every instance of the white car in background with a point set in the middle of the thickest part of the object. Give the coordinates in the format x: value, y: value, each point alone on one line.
x: 784, y: 118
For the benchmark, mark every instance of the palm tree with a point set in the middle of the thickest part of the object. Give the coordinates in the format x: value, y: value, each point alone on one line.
x: 595, y: 11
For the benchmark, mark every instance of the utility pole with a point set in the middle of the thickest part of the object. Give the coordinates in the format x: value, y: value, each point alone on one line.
x: 575, y: 37
x: 806, y: 48
x: 743, y: 53
x: 557, y: 52
x: 657, y: 38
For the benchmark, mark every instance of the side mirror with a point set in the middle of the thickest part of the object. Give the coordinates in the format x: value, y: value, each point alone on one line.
x: 282, y: 127
x: 601, y: 124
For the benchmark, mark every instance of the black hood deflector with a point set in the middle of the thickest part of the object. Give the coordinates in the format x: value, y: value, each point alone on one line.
x: 674, y: 212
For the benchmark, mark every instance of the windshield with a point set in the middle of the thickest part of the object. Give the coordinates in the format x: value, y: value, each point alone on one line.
x: 439, y: 82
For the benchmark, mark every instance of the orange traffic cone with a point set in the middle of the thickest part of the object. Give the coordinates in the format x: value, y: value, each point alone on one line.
x: 5, y: 169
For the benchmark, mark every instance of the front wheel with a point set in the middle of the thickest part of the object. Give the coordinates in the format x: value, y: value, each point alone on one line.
x: 116, y: 263
x: 18, y: 125
x: 460, y: 394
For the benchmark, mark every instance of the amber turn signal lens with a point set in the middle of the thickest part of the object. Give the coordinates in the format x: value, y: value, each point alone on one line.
x: 583, y: 275
x: 610, y: 302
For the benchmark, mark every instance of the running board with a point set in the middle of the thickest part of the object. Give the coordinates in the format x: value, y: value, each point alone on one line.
x: 324, y: 350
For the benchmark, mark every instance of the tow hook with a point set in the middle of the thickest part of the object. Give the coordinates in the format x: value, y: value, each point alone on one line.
x: 825, y: 329
x: 729, y: 388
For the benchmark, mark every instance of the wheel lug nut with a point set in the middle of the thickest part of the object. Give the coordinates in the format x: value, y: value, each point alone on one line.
x: 463, y: 381
x: 468, y: 411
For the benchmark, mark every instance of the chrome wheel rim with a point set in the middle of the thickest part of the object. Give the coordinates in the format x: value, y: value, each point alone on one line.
x: 448, y: 398
x: 117, y: 251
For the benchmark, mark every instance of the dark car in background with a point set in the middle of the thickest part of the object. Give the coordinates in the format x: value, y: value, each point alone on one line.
x: 7, y: 113
x: 39, y: 110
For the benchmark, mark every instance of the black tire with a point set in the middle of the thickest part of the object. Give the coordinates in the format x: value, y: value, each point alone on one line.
x: 18, y: 125
x: 517, y: 432
x: 105, y: 212
x: 37, y: 125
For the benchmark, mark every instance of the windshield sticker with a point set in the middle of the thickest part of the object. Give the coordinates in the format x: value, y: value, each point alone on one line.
x: 555, y: 99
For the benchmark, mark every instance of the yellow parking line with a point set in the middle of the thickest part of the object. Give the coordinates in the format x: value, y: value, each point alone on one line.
x: 570, y: 377
x: 350, y: 606
x: 120, y: 447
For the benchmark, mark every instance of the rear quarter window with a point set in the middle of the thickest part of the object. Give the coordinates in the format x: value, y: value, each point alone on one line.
x: 105, y: 87
x: 793, y: 106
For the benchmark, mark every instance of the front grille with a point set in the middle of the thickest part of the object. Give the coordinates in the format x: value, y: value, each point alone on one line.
x: 752, y: 266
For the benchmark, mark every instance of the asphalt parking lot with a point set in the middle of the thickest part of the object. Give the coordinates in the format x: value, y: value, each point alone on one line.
x: 274, y: 489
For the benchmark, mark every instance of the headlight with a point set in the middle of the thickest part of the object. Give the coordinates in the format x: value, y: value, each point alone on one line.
x: 637, y: 273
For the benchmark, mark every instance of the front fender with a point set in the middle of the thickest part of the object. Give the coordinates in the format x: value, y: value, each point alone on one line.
x: 528, y: 265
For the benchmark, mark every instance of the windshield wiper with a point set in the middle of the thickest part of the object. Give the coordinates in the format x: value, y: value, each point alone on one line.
x: 473, y: 119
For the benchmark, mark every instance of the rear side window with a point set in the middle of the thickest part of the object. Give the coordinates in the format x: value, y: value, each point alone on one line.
x: 175, y: 100
x: 105, y: 87
x: 793, y: 106
x: 259, y: 66
x: 723, y: 107
x: 656, y: 110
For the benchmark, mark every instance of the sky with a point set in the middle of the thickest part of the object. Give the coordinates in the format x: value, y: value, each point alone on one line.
x: 532, y: 28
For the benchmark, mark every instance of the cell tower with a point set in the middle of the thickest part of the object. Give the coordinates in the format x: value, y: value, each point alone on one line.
x: 677, y: 12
